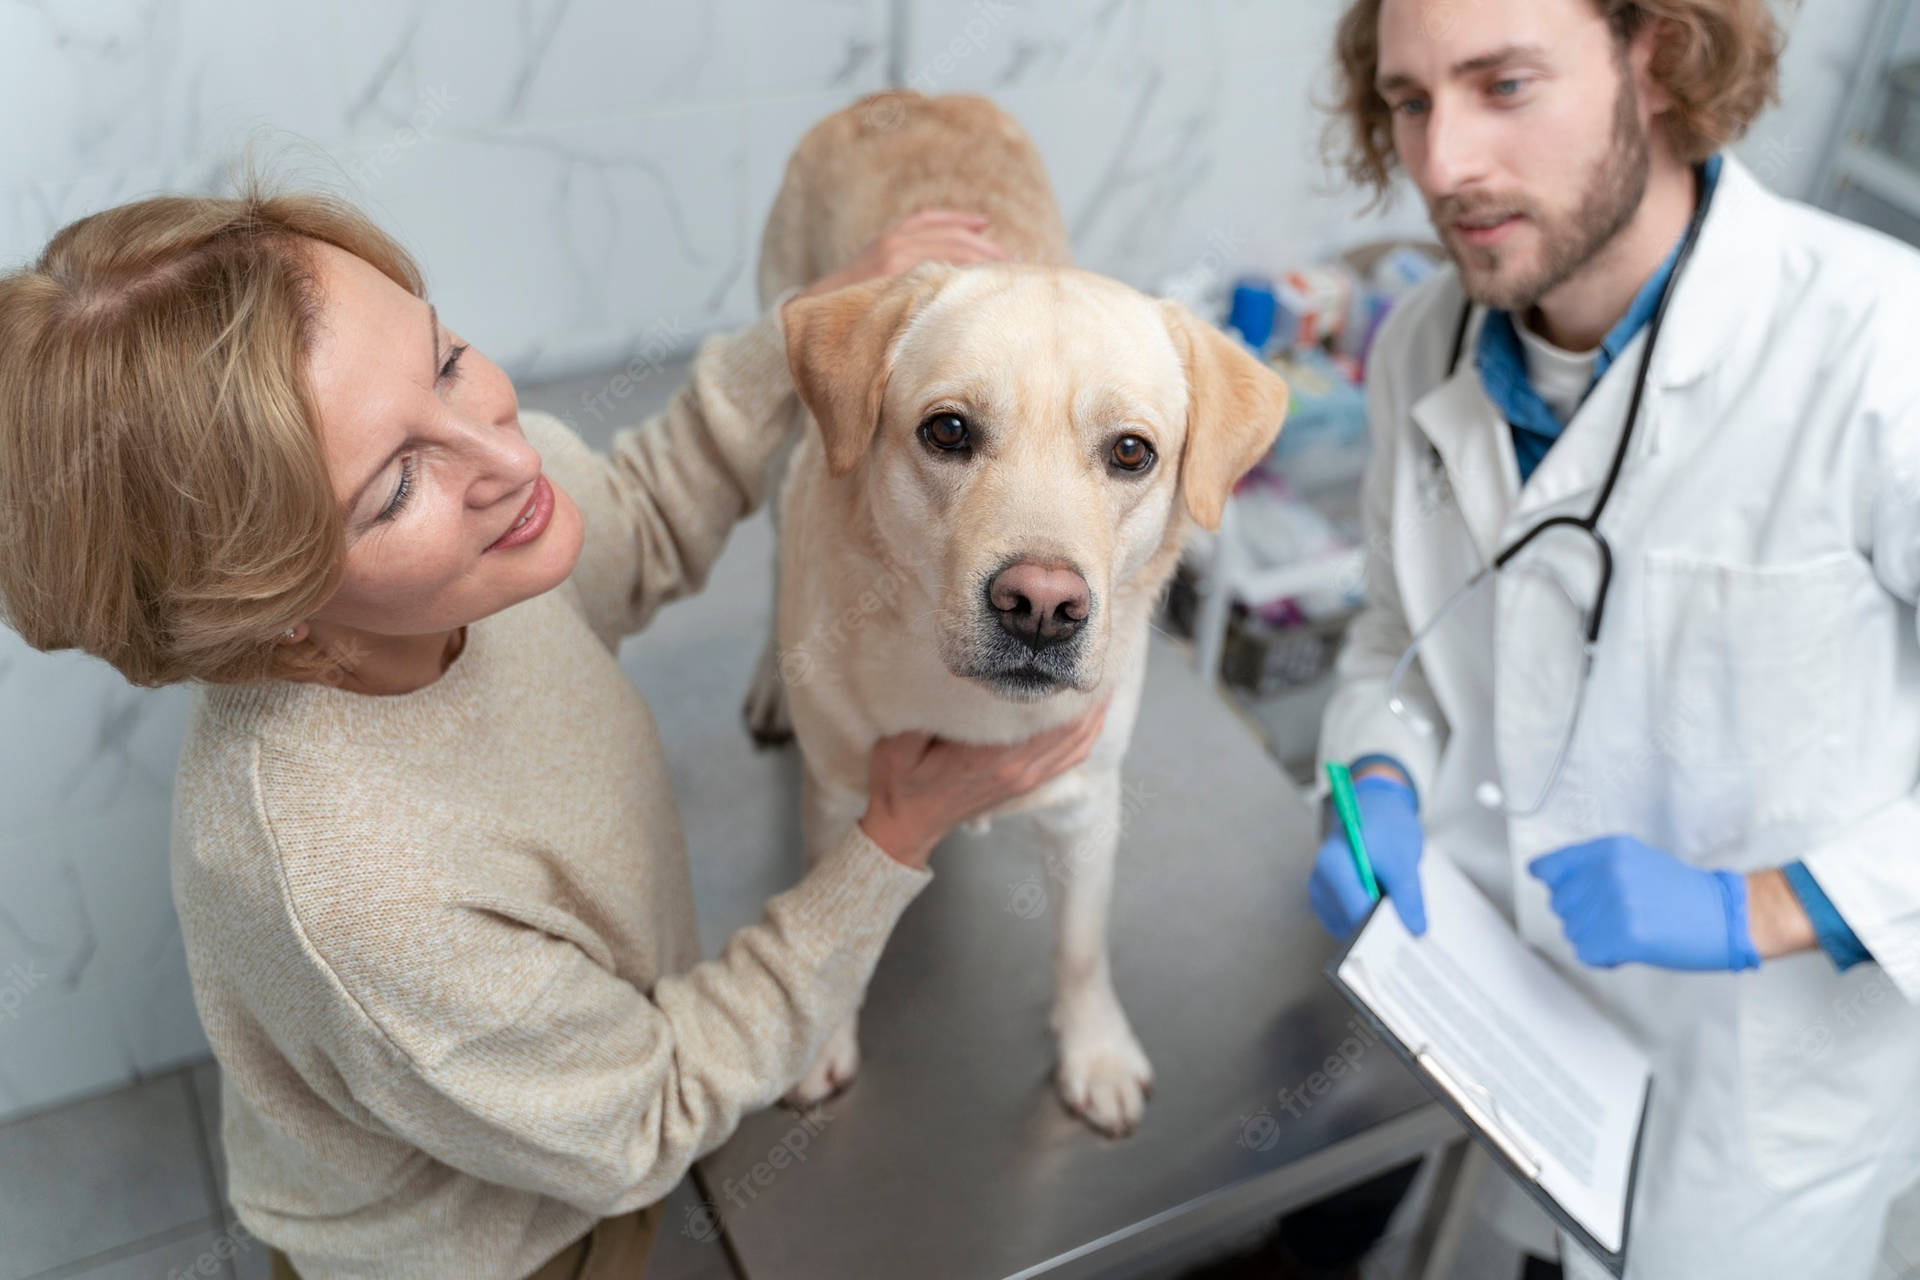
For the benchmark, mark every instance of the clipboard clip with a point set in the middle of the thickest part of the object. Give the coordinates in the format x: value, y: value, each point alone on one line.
x: 1484, y: 1111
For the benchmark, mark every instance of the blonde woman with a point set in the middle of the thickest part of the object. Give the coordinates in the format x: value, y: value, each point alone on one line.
x: 436, y: 903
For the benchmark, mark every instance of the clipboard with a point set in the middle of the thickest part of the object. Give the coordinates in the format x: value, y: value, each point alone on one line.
x: 1480, y: 1113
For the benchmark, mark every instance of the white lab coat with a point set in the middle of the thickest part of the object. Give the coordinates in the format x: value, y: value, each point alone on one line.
x: 1755, y: 699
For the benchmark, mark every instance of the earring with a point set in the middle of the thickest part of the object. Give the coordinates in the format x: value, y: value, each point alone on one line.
x: 290, y: 632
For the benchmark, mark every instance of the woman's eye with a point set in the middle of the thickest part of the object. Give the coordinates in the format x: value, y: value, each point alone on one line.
x: 451, y: 369
x: 1412, y: 107
x: 402, y: 494
x: 1131, y: 453
x: 947, y: 432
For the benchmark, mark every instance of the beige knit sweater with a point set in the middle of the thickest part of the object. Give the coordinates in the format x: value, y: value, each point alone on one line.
x: 443, y: 944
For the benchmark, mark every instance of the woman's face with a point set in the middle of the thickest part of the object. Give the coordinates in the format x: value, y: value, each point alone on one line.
x: 447, y: 516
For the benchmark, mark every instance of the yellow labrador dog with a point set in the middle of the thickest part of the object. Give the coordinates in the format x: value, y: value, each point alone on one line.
x: 974, y: 533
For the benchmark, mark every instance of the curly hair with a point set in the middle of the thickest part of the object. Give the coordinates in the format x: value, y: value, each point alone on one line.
x: 1719, y: 61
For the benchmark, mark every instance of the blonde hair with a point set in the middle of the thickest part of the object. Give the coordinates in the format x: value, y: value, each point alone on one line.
x: 165, y: 503
x: 1718, y: 60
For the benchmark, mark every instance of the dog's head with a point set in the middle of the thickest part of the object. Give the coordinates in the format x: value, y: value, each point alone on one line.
x: 1027, y: 439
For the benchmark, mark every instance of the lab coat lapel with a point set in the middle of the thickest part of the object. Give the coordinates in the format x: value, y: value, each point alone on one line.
x: 1578, y: 460
x: 1722, y: 302
x: 1707, y: 331
x: 1475, y: 449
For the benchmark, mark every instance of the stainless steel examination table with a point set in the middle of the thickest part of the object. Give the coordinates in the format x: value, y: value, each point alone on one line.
x: 950, y: 1155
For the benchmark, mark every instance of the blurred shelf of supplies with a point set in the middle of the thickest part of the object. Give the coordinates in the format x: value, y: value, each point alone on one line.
x: 1267, y: 599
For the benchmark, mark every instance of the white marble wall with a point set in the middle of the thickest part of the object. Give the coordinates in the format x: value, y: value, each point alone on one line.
x: 584, y: 181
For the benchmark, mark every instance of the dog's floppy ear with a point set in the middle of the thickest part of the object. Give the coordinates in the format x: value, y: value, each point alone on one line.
x: 1235, y: 406
x: 840, y: 349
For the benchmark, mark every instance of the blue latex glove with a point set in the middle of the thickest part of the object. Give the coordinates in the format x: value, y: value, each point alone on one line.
x: 1624, y: 902
x: 1390, y: 828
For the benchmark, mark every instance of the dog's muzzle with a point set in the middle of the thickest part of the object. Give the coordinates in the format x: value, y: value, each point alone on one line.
x: 1032, y: 628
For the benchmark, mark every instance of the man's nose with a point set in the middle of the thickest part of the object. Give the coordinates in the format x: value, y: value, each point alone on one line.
x: 1451, y: 157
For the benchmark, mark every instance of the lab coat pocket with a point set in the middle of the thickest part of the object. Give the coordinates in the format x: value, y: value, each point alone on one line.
x: 1746, y: 680
x: 1827, y: 1066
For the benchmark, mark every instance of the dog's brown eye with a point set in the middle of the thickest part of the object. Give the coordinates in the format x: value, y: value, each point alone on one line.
x: 1131, y: 453
x: 946, y: 431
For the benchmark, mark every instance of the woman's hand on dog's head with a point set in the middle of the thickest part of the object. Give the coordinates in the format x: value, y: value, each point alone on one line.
x: 932, y: 235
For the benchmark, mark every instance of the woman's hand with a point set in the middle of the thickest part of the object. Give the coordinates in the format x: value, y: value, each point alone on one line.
x: 920, y: 787
x: 932, y: 235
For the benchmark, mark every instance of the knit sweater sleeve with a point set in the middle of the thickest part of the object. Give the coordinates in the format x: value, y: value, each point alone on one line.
x: 658, y: 507
x: 601, y: 1095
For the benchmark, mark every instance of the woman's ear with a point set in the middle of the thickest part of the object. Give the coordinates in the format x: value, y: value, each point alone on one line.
x: 840, y: 349
x: 1235, y: 406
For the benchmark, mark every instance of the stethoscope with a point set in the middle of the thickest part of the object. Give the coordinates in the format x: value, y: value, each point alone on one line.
x: 1489, y: 793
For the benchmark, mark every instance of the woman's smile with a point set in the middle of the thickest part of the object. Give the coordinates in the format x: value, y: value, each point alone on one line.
x: 532, y: 520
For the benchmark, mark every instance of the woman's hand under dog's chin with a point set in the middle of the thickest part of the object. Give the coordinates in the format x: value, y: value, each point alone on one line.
x: 920, y: 787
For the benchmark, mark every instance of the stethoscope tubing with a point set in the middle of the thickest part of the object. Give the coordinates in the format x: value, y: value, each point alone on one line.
x: 1589, y: 523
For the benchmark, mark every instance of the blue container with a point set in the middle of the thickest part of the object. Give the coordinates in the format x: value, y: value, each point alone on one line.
x: 1253, y: 310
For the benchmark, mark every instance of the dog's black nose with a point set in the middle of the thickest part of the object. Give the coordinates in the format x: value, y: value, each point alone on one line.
x: 1039, y: 605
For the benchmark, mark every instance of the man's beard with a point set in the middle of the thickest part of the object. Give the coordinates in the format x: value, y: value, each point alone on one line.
x: 1569, y: 243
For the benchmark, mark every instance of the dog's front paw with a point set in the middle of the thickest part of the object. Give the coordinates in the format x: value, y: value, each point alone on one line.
x: 1104, y: 1076
x: 833, y: 1070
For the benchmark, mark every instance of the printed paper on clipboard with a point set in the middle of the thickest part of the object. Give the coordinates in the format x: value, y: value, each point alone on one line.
x: 1520, y: 1055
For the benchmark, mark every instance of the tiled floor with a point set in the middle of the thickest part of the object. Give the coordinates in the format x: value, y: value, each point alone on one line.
x: 125, y: 1184
x: 131, y: 1185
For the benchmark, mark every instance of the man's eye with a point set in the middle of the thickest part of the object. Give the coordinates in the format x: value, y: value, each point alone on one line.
x: 947, y: 432
x: 1508, y: 88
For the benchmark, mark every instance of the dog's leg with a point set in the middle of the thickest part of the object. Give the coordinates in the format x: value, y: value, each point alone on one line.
x: 1103, y: 1074
x: 826, y: 815
x: 765, y: 706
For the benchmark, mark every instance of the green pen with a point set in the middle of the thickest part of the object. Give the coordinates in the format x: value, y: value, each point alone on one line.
x: 1348, y: 809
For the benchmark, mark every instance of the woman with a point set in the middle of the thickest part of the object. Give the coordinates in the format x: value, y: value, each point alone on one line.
x: 434, y: 894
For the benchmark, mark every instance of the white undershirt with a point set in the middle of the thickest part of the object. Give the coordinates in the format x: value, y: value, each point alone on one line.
x: 1562, y: 378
